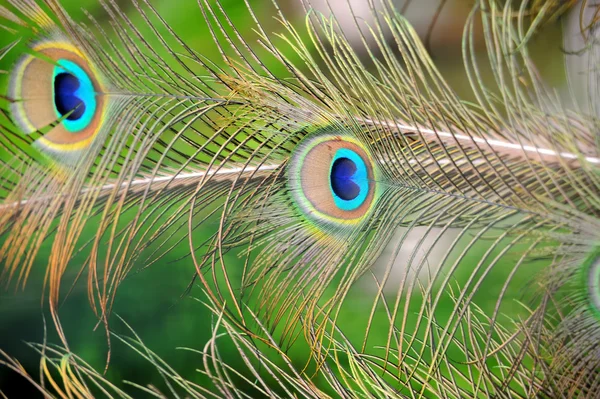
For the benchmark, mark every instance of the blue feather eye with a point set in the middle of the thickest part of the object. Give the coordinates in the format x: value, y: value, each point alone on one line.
x: 349, y: 179
x: 332, y: 179
x: 56, y: 88
x: 74, y: 96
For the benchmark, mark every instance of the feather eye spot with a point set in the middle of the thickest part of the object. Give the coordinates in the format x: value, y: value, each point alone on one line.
x: 57, y: 87
x: 349, y: 179
x: 65, y: 99
x: 331, y: 179
x: 343, y: 172
x: 74, y: 96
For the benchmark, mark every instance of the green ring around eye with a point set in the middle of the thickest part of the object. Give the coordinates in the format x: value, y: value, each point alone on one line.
x: 332, y: 179
x: 74, y: 96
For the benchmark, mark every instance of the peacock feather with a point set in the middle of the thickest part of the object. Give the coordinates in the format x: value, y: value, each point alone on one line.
x: 333, y: 198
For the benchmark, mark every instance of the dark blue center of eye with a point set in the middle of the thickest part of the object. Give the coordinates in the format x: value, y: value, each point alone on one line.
x: 65, y: 86
x: 342, y: 184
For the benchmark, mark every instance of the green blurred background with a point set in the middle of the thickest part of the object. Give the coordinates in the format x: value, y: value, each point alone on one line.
x: 155, y: 300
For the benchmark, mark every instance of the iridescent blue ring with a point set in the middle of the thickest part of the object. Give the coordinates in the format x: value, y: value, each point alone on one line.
x: 74, y: 96
x: 348, y: 179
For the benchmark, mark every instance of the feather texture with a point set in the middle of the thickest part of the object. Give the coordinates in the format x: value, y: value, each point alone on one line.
x: 308, y: 173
